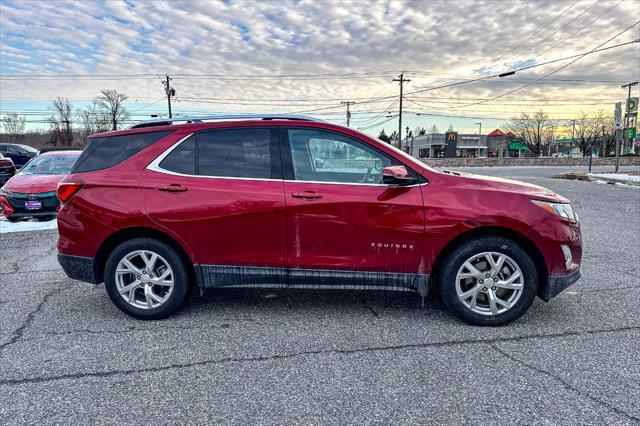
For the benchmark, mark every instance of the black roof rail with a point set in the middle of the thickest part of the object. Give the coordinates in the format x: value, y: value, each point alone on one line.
x: 200, y: 119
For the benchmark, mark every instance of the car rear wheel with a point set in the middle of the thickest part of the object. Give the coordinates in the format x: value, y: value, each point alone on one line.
x: 488, y: 281
x: 146, y: 278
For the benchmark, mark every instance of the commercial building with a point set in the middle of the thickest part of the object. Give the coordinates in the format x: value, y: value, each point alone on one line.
x: 464, y: 145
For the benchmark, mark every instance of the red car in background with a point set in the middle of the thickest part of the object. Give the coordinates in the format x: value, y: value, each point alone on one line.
x: 7, y: 169
x: 292, y: 202
x: 32, y: 192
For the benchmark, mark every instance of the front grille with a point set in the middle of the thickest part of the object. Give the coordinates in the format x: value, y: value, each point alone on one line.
x: 49, y: 200
x: 39, y: 197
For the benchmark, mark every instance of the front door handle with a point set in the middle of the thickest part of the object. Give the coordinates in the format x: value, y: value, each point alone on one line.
x: 307, y: 195
x: 173, y: 187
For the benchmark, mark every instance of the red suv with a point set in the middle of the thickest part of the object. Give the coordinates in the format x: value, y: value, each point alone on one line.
x: 290, y: 202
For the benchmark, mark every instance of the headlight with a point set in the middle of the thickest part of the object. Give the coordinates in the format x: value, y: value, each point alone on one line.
x: 560, y: 209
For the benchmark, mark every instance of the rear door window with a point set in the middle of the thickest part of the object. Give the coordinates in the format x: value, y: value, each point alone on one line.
x: 240, y: 152
x: 103, y: 153
x: 182, y: 159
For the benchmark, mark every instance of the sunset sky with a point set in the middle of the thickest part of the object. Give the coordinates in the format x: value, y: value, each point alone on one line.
x: 307, y: 56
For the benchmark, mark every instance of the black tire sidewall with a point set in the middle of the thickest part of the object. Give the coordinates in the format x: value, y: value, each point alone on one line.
x: 180, y: 275
x: 470, y: 248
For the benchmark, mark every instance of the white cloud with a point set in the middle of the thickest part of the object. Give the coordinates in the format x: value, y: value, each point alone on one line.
x: 446, y: 39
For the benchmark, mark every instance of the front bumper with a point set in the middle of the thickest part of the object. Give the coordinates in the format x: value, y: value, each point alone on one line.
x: 557, y: 284
x: 18, y: 208
x: 78, y: 268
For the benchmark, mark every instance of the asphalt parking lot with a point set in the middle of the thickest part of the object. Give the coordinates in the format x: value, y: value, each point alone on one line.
x: 67, y: 355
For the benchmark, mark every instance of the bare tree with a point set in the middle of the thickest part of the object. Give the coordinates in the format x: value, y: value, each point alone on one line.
x: 92, y: 120
x: 60, y: 122
x: 434, y: 130
x: 14, y: 126
x: 535, y: 130
x: 111, y: 102
x: 607, y: 125
x: 588, y: 131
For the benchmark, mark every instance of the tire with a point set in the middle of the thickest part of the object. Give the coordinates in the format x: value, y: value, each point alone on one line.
x: 141, y: 304
x: 473, y: 297
x: 12, y: 219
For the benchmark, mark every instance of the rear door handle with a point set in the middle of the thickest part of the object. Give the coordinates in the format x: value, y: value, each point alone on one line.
x: 307, y: 195
x: 173, y: 187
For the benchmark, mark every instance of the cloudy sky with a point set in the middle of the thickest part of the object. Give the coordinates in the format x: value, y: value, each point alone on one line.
x: 307, y: 56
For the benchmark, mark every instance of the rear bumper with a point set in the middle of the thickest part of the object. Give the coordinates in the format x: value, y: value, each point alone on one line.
x: 78, y: 268
x: 556, y: 284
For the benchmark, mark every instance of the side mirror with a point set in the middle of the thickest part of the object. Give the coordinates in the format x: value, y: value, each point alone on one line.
x: 397, y: 175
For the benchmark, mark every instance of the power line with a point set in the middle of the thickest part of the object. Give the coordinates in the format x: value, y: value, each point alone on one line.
x: 597, y: 48
x: 559, y: 28
x: 583, y: 27
x: 536, y: 33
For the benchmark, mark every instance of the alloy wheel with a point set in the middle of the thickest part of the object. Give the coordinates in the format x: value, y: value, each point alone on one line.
x: 144, y: 279
x: 489, y: 283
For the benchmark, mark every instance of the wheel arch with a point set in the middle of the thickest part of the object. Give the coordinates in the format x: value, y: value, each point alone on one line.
x: 492, y: 231
x: 126, y: 234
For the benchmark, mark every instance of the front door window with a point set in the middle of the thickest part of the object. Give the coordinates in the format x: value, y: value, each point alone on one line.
x: 328, y: 157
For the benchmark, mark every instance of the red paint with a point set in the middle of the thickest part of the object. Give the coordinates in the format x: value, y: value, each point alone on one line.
x: 279, y: 223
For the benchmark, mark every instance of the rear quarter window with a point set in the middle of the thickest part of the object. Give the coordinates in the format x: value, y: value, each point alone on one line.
x: 103, y: 153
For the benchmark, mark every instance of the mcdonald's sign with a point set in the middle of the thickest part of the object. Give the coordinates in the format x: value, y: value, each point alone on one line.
x: 451, y: 139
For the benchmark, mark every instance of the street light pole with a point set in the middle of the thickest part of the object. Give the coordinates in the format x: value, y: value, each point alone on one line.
x: 479, y: 137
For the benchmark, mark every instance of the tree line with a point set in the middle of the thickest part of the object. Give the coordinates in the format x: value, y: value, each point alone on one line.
x: 68, y: 126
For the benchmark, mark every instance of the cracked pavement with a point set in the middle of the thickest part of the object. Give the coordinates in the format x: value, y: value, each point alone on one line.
x: 67, y: 355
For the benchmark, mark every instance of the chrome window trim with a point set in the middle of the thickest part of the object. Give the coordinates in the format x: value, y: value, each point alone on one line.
x: 155, y: 166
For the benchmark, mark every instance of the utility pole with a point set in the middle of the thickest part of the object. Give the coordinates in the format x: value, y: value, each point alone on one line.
x: 604, y: 144
x: 348, y: 104
x: 479, y: 137
x: 401, y: 80
x: 170, y: 91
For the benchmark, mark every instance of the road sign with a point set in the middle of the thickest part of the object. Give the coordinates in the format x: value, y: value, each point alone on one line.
x: 630, y: 133
x: 632, y: 106
x: 618, y: 115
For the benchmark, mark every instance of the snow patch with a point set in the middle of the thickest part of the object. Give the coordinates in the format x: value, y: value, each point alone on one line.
x: 616, y: 176
x: 23, y: 226
x: 627, y: 186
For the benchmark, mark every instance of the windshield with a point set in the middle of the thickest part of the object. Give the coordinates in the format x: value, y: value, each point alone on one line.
x: 27, y: 148
x: 49, y: 165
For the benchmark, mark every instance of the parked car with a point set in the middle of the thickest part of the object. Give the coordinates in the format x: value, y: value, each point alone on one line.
x: 32, y: 192
x: 19, y: 154
x: 7, y: 169
x: 160, y: 207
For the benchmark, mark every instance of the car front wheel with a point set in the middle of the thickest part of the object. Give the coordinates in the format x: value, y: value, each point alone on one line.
x: 146, y: 278
x: 489, y: 281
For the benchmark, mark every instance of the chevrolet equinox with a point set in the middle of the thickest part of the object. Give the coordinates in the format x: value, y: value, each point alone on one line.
x: 292, y: 202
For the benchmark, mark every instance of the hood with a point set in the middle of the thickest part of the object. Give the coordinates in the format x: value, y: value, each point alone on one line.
x: 509, y: 185
x: 33, y: 184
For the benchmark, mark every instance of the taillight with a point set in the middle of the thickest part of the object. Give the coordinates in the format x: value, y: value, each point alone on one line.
x: 66, y: 190
x: 5, y: 163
